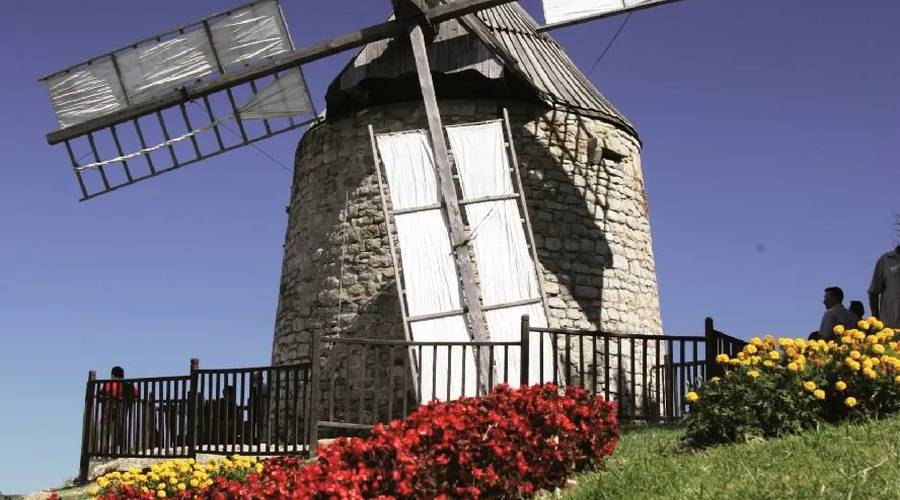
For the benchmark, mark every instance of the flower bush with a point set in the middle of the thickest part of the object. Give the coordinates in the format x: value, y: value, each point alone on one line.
x: 173, y: 478
x: 510, y: 443
x: 774, y: 387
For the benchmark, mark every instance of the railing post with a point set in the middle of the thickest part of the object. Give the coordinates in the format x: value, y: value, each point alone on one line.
x: 711, y: 349
x: 192, y: 408
x: 87, y: 428
x: 314, y: 395
x: 524, y: 348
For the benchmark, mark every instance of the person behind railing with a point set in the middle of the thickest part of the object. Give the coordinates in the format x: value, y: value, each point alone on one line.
x: 225, y: 419
x: 835, y: 313
x: 856, y: 307
x: 257, y: 405
x: 115, y: 401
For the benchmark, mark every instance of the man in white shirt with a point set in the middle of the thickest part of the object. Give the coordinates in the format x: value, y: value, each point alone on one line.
x: 835, y: 313
x: 884, y: 292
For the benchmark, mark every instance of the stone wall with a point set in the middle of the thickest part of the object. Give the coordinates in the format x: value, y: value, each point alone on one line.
x: 585, y: 195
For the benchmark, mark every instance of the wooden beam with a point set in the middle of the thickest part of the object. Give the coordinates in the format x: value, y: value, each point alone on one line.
x: 448, y: 11
x: 449, y: 196
x: 386, y: 30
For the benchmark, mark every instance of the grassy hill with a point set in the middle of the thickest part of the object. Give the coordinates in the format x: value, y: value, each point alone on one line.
x: 850, y: 461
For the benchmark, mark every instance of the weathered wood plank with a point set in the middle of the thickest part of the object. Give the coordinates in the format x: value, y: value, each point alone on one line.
x: 448, y: 193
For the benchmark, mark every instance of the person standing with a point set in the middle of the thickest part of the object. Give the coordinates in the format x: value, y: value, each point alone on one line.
x: 835, y: 313
x: 884, y: 292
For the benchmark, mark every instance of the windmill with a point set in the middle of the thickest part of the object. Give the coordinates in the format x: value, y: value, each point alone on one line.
x: 465, y: 172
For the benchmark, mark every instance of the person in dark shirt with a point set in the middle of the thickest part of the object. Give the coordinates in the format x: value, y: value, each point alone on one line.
x: 115, y: 400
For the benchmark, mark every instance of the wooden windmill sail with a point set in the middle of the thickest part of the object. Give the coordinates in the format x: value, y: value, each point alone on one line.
x: 205, y: 88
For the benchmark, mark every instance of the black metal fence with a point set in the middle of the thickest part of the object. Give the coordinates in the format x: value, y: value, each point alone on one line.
x: 355, y: 383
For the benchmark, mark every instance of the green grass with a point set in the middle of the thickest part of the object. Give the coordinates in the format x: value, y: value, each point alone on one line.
x: 850, y: 461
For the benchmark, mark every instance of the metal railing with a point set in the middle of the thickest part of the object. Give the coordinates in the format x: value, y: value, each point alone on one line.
x: 348, y: 385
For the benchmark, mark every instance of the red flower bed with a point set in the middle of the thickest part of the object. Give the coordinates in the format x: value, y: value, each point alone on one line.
x: 510, y: 443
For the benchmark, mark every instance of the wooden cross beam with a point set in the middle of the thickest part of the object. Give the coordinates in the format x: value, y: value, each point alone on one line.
x: 458, y: 239
x: 416, y: 11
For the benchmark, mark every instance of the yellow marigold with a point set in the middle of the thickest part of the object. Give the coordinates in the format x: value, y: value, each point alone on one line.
x: 793, y: 367
x: 756, y: 341
x: 753, y: 373
x: 259, y: 466
x: 750, y: 349
x: 103, y: 482
x: 840, y: 385
x: 94, y: 491
x: 819, y: 394
x: 182, y: 486
x: 809, y: 385
x: 774, y: 355
x: 722, y: 358
x: 839, y: 329
x: 850, y: 402
x: 897, y: 379
x: 855, y: 354
x: 161, y: 494
x: 195, y: 483
x: 868, y: 372
x: 863, y: 325
x: 692, y: 397
x: 878, y: 348
x: 715, y: 379
x: 768, y: 363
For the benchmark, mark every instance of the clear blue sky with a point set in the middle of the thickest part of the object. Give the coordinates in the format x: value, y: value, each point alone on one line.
x: 771, y: 135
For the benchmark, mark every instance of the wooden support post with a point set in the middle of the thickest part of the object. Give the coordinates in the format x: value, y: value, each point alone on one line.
x: 314, y: 393
x: 711, y: 349
x: 448, y: 193
x: 524, y: 347
x: 193, y: 400
x: 87, y: 434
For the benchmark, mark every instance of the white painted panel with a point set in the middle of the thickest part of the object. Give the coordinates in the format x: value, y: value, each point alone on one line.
x: 557, y: 11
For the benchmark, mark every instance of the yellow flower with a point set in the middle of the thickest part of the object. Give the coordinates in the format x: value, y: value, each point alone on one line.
x: 855, y: 354
x: 94, y: 491
x: 756, y: 341
x: 182, y: 487
x: 103, y: 482
x: 809, y: 385
x: 259, y: 467
x: 793, y: 367
x: 897, y: 379
x: 839, y: 329
x: 863, y: 325
x: 840, y: 385
x: 195, y: 483
x: 819, y: 394
x: 692, y: 397
x: 870, y: 373
x: 878, y: 348
x: 750, y: 349
x: 715, y: 379
x: 850, y: 402
x: 753, y: 373
x: 768, y: 363
x: 774, y: 355
x: 161, y: 493
x: 722, y: 358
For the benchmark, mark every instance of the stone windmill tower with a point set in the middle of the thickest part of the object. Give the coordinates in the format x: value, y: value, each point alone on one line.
x: 580, y: 168
x: 543, y: 212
